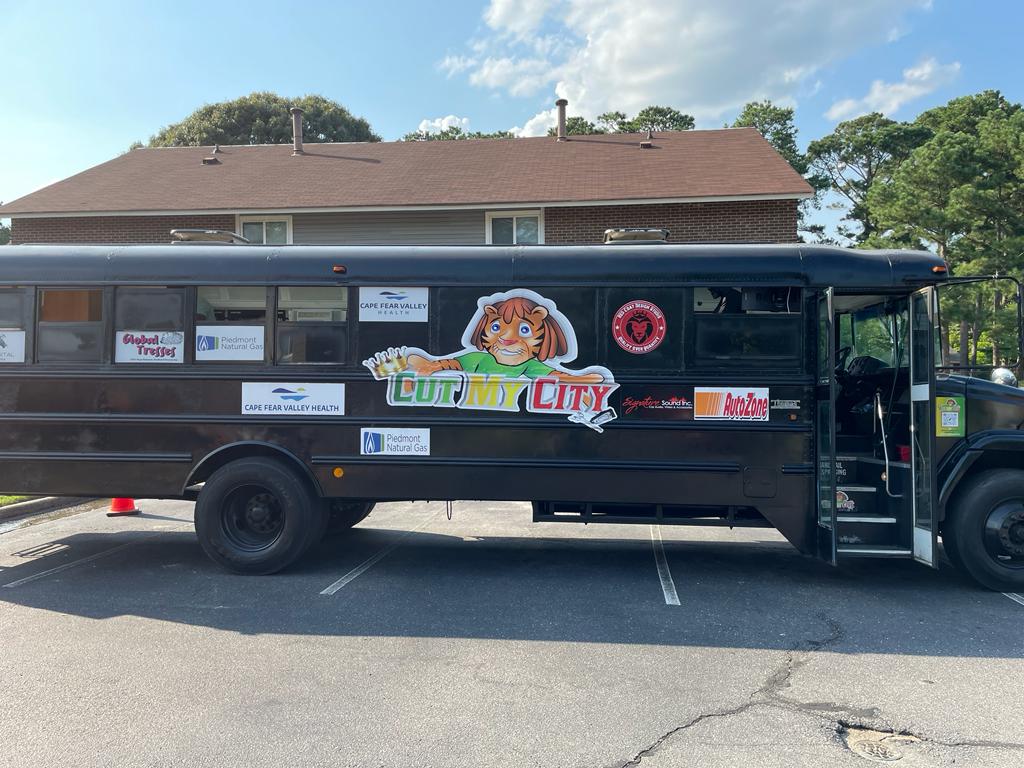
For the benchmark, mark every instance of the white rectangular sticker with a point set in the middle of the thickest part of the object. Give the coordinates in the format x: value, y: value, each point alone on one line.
x: 272, y: 398
x: 394, y: 442
x: 394, y: 305
x: 229, y: 342
x: 149, y: 347
x: 731, y: 403
x: 12, y: 346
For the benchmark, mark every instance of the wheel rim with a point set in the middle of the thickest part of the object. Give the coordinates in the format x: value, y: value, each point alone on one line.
x: 1004, y: 533
x: 252, y: 518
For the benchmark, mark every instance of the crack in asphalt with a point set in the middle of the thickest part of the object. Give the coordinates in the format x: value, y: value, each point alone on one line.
x: 769, y: 694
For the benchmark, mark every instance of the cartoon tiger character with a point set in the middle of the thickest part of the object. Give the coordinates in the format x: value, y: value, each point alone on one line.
x: 515, y: 336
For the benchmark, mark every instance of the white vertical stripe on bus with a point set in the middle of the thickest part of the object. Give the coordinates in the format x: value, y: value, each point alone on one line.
x: 668, y: 587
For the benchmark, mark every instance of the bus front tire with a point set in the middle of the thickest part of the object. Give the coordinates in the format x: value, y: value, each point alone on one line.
x: 983, y: 534
x: 257, y: 516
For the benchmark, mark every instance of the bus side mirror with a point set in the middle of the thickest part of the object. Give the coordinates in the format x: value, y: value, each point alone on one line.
x: 979, y: 324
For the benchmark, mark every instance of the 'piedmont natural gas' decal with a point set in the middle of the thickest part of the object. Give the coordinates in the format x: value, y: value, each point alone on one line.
x: 515, y: 347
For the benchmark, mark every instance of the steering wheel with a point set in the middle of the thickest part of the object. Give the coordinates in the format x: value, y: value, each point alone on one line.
x: 842, y: 355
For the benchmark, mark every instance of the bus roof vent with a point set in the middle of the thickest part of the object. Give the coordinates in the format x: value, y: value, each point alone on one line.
x: 635, y: 236
x: 222, y: 236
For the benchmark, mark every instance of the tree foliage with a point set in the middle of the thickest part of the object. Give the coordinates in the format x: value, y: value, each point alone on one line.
x: 858, y: 154
x: 777, y: 126
x: 5, y: 234
x: 264, y: 118
x: 455, y: 133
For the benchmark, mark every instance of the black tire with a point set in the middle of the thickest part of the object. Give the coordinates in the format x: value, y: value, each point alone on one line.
x: 345, y: 514
x: 257, y: 516
x: 983, y: 533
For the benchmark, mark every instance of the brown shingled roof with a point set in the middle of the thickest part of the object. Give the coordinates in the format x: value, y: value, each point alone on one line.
x: 587, y: 169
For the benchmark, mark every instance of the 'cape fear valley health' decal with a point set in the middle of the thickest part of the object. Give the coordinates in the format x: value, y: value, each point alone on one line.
x: 514, y: 351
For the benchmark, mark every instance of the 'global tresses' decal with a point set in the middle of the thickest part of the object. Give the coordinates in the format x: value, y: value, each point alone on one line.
x: 515, y: 347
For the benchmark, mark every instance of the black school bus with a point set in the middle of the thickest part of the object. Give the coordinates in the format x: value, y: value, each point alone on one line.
x: 284, y: 388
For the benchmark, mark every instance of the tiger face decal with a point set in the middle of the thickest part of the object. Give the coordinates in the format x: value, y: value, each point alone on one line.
x: 514, y: 348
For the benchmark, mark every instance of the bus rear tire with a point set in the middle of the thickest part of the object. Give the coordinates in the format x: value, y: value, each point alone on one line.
x: 983, y: 533
x: 345, y: 514
x: 257, y: 516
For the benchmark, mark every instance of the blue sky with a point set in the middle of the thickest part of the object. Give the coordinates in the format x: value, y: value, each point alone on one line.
x: 84, y: 80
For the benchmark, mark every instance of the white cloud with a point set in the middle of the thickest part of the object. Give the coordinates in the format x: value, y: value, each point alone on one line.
x: 886, y: 98
x: 453, y: 65
x: 434, y: 125
x: 516, y: 17
x: 704, y: 59
x: 538, y: 124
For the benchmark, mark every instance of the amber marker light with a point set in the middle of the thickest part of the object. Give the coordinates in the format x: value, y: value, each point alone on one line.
x: 339, y: 269
x: 940, y: 270
x: 338, y: 472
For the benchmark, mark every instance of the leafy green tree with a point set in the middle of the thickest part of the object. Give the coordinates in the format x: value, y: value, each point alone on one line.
x: 264, y: 118
x: 5, y: 234
x: 658, y: 119
x: 860, y: 153
x: 576, y: 126
x: 455, y: 133
x: 611, y: 122
x: 777, y: 126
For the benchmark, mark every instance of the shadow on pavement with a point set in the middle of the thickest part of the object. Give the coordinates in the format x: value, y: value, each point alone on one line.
x: 737, y: 594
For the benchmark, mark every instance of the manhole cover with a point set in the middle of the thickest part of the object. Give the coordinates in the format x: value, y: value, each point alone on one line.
x: 879, y: 751
x: 877, y: 746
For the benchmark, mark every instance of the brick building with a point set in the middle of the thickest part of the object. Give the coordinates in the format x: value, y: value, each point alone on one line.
x: 725, y: 185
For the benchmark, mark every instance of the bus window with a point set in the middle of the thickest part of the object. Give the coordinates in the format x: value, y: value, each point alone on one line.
x: 149, y: 325
x: 644, y: 329
x: 231, y: 323
x: 15, y: 319
x: 70, y: 326
x: 312, y: 325
x: 737, y: 327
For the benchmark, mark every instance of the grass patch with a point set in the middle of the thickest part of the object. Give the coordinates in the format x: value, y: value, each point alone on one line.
x: 4, y: 500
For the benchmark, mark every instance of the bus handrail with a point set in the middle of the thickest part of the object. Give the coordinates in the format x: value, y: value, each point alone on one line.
x: 885, y: 446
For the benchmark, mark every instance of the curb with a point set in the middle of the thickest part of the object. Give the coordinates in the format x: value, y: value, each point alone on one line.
x: 40, y: 505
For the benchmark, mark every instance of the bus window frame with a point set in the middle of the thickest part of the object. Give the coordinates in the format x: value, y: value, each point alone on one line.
x: 106, y: 324
x: 188, y: 353
x: 28, y: 325
x: 351, y: 294
x: 269, y: 331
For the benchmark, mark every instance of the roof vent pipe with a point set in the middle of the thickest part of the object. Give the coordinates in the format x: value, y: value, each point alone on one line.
x: 561, y: 104
x: 296, y: 131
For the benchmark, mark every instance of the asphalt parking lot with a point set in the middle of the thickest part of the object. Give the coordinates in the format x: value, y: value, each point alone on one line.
x: 491, y: 641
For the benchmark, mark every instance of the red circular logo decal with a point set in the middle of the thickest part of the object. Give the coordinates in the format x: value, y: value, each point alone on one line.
x: 639, y: 327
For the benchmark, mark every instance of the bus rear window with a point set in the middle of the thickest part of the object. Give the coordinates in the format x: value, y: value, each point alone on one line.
x: 70, y: 326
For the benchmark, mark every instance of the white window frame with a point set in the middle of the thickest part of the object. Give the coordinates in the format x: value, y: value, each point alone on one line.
x: 241, y: 219
x: 538, y: 212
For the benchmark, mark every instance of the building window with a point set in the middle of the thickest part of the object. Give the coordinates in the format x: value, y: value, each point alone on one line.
x: 266, y: 230
x: 515, y: 227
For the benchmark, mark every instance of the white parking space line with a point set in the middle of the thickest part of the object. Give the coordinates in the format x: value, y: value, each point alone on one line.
x: 1015, y: 597
x: 664, y: 574
x: 366, y: 565
x: 72, y: 564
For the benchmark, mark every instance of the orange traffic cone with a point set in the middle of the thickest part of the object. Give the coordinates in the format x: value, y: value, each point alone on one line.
x: 122, y: 507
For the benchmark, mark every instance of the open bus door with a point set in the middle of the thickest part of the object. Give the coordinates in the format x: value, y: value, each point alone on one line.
x: 825, y: 427
x: 923, y: 318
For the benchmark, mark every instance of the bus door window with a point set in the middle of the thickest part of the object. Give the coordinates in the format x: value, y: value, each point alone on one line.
x: 149, y: 325
x: 740, y: 327
x: 15, y: 324
x: 70, y: 327
x: 312, y: 325
x: 230, y: 323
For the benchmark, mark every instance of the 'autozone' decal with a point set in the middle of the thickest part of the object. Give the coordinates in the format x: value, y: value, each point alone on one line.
x: 731, y: 403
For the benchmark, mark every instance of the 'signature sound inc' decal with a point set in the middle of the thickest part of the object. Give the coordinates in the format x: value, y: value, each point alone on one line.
x: 513, y: 356
x: 731, y: 403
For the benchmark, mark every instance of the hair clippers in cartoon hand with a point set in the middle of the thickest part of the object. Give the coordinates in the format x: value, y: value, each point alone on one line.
x: 593, y: 420
x: 389, y: 362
